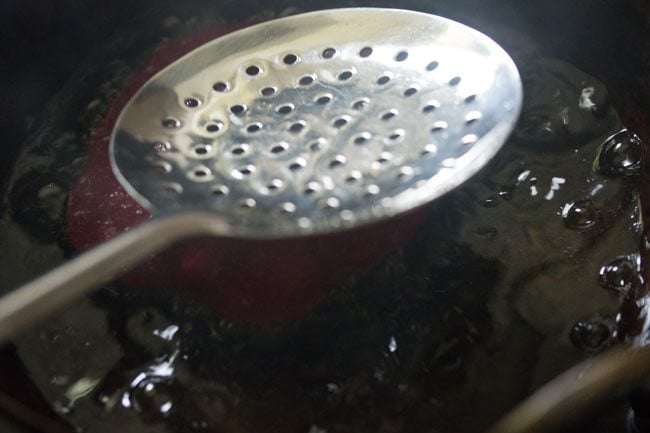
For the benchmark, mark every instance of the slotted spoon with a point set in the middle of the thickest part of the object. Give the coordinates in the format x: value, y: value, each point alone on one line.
x: 305, y: 125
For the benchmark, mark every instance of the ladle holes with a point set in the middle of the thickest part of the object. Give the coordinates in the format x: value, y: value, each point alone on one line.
x: 220, y: 191
x: 332, y: 203
x: 171, y: 123
x: 472, y: 117
x: 317, y: 145
x: 372, y: 191
x: 338, y: 161
x: 201, y: 172
x: 341, y: 122
x: 439, y: 126
x: 365, y: 52
x: 253, y: 70
x: 173, y: 188
x: 202, y: 149
x: 285, y: 109
x: 191, y: 102
x: 301, y: 126
x: 383, y: 80
x: 290, y: 59
x: 239, y: 150
x: 214, y: 126
x: 247, y: 203
x: 429, y: 149
x: 268, y: 91
x: 405, y: 173
x: 279, y: 148
x: 431, y: 66
x: 296, y: 127
x: 362, y: 138
x: 384, y: 157
x: 431, y: 107
x: 298, y: 164
x: 360, y: 104
x: 244, y: 171
x: 287, y: 208
x: 220, y: 86
x: 469, y: 139
x: 454, y: 81
x: 353, y: 177
x: 238, y: 109
x: 411, y: 91
x: 470, y: 98
x: 306, y: 80
x: 162, y: 167
x: 345, y: 75
x: 328, y: 53
x: 398, y: 134
x: 324, y: 99
x: 401, y: 56
x: 312, y: 188
x: 275, y: 185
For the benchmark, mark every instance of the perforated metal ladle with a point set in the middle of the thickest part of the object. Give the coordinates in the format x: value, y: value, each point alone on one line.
x: 304, y: 125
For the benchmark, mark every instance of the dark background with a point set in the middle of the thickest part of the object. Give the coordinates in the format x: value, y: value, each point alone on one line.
x: 41, y: 44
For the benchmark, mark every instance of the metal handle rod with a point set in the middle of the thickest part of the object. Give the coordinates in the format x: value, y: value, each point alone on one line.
x: 577, y: 390
x: 33, y: 301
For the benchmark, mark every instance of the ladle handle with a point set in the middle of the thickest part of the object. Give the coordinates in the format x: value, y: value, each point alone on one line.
x: 577, y: 391
x: 33, y: 301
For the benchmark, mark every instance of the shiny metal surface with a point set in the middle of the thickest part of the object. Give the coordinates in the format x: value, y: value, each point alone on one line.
x: 387, y: 110
x: 318, y: 122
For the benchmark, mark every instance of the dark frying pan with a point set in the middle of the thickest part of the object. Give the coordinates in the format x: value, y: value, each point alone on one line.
x: 47, y: 43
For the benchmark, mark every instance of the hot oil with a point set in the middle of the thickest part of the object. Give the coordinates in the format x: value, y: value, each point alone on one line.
x: 515, y: 276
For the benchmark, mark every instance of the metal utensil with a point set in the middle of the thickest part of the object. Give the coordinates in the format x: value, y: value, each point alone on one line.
x: 305, y: 125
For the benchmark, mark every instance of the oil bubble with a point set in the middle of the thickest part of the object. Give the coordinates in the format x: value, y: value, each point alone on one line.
x: 620, y: 154
x: 153, y: 399
x: 593, y: 334
x: 620, y: 274
x: 580, y: 215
